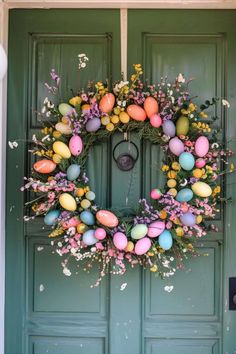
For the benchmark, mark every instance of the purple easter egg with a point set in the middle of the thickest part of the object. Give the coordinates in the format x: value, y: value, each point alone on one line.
x: 169, y: 128
x: 176, y: 146
x: 188, y: 219
x: 93, y: 125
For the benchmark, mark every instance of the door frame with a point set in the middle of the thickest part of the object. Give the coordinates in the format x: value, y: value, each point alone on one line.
x: 123, y: 5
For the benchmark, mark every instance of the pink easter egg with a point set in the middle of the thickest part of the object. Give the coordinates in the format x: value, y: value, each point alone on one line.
x: 120, y: 240
x: 156, y: 228
x: 73, y: 222
x: 76, y: 145
x: 176, y: 146
x: 136, y: 112
x: 44, y: 166
x: 107, y: 218
x: 200, y: 163
x: 100, y: 233
x: 107, y: 103
x: 155, y: 120
x: 156, y: 193
x: 150, y: 106
x: 201, y: 146
x: 142, y: 246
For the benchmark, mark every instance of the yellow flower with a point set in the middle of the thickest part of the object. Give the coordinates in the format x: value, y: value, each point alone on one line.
x: 199, y: 219
x: 217, y: 190
x: 56, y: 158
x: 116, y: 111
x: 75, y: 101
x: 105, y: 120
x: 165, y: 168
x: 56, y: 134
x: 171, y: 183
x: 163, y: 214
x: 203, y: 114
x: 172, y: 191
x: 197, y: 173
x: 56, y: 232
x: 179, y: 231
x: 110, y: 127
x: 115, y: 119
x: 192, y: 107
x: 176, y: 166
x: 172, y: 174
x: 133, y: 77
x: 150, y: 254
x: 154, y: 268
x: 232, y: 167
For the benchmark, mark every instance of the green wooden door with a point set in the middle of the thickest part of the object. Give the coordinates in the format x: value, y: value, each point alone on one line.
x: 47, y: 312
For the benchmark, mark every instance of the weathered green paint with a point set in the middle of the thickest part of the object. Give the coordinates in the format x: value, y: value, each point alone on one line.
x: 194, y: 317
x: 66, y: 316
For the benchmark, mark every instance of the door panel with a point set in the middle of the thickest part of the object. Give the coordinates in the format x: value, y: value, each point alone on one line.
x: 46, y: 311
x: 198, y: 44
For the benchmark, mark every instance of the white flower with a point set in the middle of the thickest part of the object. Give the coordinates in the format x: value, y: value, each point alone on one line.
x: 67, y: 272
x: 46, y: 100
x: 123, y: 286
x: 13, y: 144
x: 226, y: 103
x: 180, y: 78
x: 43, y: 110
x: 81, y: 55
x: 83, y: 65
x: 169, y: 288
x: 48, y: 114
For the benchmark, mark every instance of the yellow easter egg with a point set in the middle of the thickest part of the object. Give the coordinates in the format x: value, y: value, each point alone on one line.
x: 105, y: 120
x: 81, y: 228
x: 124, y: 117
x: 80, y: 192
x: 172, y: 191
x: 85, y: 204
x: 110, y: 127
x: 129, y: 247
x: 182, y: 126
x: 171, y: 183
x: 61, y: 149
x: 67, y: 202
x: 56, y: 158
x: 115, y: 119
x: 201, y: 189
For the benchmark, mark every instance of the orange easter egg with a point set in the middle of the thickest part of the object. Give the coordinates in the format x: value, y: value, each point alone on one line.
x: 107, y: 102
x: 44, y: 166
x: 107, y: 218
x: 136, y: 112
x: 150, y: 106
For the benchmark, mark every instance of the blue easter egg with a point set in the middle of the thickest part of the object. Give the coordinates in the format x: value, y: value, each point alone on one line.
x: 186, y: 161
x: 73, y: 172
x: 169, y: 128
x: 93, y: 125
x: 165, y: 240
x: 184, y: 195
x: 51, y: 217
x: 87, y: 217
x: 188, y: 219
x: 90, y: 195
x: 89, y: 238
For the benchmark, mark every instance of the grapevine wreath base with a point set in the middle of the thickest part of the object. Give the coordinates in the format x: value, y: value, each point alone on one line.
x: 163, y: 232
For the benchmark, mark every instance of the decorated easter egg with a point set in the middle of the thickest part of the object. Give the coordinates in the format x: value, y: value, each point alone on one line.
x: 89, y: 238
x: 51, y: 217
x: 90, y: 195
x: 156, y: 228
x: 188, y: 219
x: 176, y: 146
x: 200, y: 163
x: 156, y: 120
x: 150, y: 106
x: 139, y: 231
x: 67, y: 202
x: 85, y: 204
x: 120, y: 240
x: 165, y: 240
x: 100, y: 233
x: 107, y: 218
x: 61, y: 149
x: 201, y: 189
x: 156, y: 193
x: 184, y: 195
x: 186, y: 161
x: 201, y: 146
x: 65, y: 109
x: 63, y: 128
x: 93, y: 125
x: 76, y: 145
x: 169, y: 128
x: 44, y: 166
x: 72, y: 222
x: 73, y: 172
x: 87, y: 217
x: 136, y: 112
x: 142, y: 246
x: 81, y: 228
x: 130, y: 246
x: 107, y: 102
x: 182, y: 126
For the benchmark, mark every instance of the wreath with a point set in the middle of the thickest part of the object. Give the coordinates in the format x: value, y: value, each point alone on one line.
x: 165, y: 228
